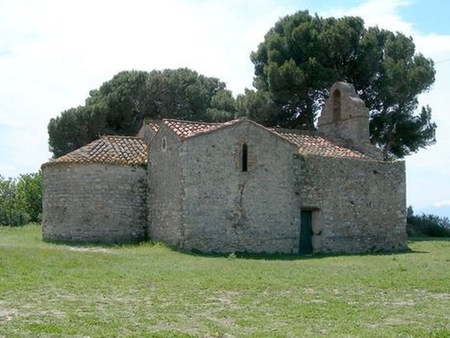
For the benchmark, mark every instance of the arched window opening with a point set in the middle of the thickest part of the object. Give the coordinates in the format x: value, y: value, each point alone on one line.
x: 336, y: 105
x: 163, y: 144
x: 244, y: 157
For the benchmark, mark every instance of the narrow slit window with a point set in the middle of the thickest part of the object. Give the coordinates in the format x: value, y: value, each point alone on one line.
x: 244, y: 157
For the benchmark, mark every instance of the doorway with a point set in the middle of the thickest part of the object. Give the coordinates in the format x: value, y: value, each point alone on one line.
x: 306, y: 233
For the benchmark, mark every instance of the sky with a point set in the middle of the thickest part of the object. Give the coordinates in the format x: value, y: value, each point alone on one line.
x: 52, y: 53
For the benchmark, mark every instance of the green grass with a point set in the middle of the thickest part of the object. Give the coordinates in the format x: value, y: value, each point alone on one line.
x: 56, y: 290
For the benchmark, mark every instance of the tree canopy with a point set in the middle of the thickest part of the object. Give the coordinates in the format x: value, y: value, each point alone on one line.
x: 295, y: 66
x: 120, y: 105
x: 21, y: 199
x: 303, y: 55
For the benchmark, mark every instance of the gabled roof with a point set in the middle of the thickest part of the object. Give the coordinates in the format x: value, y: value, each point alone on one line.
x: 129, y: 150
x: 108, y: 149
x: 307, y: 142
x: 153, y: 125
x: 186, y: 129
x: 312, y: 143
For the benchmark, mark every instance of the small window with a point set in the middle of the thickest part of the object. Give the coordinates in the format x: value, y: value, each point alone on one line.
x: 244, y: 157
x: 163, y: 144
x: 336, y: 105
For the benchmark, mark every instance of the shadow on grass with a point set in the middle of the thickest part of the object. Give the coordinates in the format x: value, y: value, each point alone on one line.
x: 292, y: 257
x: 429, y: 239
x: 93, y: 244
x: 244, y: 255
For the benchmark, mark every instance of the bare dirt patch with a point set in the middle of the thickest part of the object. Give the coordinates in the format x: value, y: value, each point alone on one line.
x: 86, y: 249
x: 7, y: 314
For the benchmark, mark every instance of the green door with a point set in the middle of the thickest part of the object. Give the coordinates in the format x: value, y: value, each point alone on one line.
x: 306, y: 233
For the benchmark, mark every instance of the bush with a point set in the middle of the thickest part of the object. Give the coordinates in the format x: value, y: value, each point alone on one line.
x: 20, y: 199
x: 427, y: 225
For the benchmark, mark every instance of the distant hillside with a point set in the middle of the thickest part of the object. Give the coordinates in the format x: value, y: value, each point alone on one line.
x: 441, y: 211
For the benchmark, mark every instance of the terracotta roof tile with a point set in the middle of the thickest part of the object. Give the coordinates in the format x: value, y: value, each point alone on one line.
x: 153, y: 125
x: 307, y: 142
x: 108, y: 149
x: 185, y: 129
x: 315, y: 144
x: 133, y: 151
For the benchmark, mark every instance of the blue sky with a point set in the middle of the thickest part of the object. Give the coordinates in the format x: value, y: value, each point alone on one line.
x: 52, y: 53
x: 428, y: 16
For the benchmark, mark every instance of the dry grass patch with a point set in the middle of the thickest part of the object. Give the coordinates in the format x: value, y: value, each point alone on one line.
x: 49, y: 290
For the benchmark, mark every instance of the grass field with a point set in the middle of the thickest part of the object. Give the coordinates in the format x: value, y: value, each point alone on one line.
x: 50, y: 290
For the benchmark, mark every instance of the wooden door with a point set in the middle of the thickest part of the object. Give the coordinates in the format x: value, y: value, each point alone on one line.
x: 306, y: 233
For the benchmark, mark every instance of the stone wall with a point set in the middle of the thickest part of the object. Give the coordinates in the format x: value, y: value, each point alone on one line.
x: 146, y: 133
x: 344, y: 115
x: 232, y: 210
x: 359, y: 206
x: 165, y: 189
x: 345, y: 118
x: 94, y: 203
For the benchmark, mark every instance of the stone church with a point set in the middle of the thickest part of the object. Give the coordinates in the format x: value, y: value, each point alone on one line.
x: 234, y: 187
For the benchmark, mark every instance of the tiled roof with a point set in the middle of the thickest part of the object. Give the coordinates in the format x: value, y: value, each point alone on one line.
x: 185, y: 129
x: 108, y: 149
x: 133, y: 151
x: 153, y: 125
x: 307, y: 142
x: 314, y: 144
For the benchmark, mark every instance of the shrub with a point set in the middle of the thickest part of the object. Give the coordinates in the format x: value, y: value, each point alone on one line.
x: 427, y: 225
x: 20, y: 199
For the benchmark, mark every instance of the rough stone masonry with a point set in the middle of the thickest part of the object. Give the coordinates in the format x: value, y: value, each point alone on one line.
x: 234, y: 187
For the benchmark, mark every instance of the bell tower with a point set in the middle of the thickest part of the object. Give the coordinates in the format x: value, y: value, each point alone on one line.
x: 345, y: 115
x: 345, y: 118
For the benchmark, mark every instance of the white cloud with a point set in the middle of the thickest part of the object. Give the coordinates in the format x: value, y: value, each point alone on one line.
x: 53, y: 52
x: 428, y: 176
x: 382, y: 13
x: 442, y: 203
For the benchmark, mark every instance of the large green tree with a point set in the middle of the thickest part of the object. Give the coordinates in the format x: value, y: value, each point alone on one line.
x: 303, y: 55
x: 29, y: 195
x: 120, y: 105
x: 20, y: 199
x: 9, y: 214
